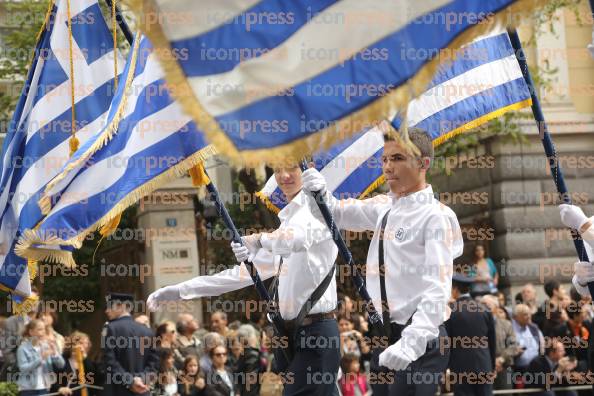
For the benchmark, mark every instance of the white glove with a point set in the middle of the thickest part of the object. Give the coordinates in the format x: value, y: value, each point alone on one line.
x: 241, y: 252
x: 313, y: 180
x: 164, y: 294
x: 584, y: 273
x: 572, y: 216
x: 394, y: 357
x: 247, y: 249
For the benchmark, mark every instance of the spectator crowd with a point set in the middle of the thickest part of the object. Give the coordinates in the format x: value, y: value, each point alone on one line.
x: 542, y: 345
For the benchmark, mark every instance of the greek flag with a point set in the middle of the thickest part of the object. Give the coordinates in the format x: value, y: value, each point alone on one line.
x: 352, y: 168
x: 146, y: 142
x: 484, y: 82
x: 37, y: 141
x: 270, y: 79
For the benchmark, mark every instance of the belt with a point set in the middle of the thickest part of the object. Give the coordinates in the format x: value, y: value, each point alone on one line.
x: 310, y: 319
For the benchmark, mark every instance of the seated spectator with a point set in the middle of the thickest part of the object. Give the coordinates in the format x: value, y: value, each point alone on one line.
x: 219, y: 382
x: 352, y: 382
x: 211, y: 340
x: 36, y: 360
x: 68, y: 376
x: 248, y: 367
x: 166, y: 341
x: 528, y: 336
x: 192, y: 381
x: 484, y: 273
x: 167, y: 378
x: 187, y: 343
x: 551, y: 370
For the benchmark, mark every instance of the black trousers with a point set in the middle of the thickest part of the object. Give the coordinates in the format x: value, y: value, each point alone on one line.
x: 316, y: 358
x: 421, y: 378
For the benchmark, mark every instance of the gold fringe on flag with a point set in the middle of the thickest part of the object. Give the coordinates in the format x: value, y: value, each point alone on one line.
x: 390, y: 103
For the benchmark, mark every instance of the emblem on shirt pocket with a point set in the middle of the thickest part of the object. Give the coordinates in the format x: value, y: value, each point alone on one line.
x: 400, y: 234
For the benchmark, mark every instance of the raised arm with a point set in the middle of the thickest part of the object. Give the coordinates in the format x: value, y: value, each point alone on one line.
x: 225, y: 281
x: 349, y: 214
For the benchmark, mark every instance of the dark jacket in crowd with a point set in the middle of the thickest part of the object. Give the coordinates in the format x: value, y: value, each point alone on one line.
x: 128, y: 352
x: 471, y: 329
x: 247, y: 372
x: 68, y: 377
x: 216, y: 386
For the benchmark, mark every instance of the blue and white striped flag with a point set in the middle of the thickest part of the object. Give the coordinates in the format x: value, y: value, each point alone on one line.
x: 146, y: 142
x: 270, y: 79
x: 37, y: 143
x: 352, y: 168
x: 484, y: 82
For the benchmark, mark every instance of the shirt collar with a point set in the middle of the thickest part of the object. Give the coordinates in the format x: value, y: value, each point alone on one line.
x: 297, y: 202
x: 424, y: 196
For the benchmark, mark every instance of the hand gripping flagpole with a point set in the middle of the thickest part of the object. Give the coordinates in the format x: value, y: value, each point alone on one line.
x: 547, y: 143
x: 374, y: 317
x: 273, y: 314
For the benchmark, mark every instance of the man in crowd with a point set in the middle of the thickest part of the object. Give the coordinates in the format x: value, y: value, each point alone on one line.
x: 129, y: 356
x: 218, y: 323
x: 529, y: 337
x: 187, y: 343
x: 472, y: 338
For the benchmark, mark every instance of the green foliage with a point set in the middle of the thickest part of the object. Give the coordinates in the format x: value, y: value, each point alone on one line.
x: 8, y: 389
x: 24, y: 20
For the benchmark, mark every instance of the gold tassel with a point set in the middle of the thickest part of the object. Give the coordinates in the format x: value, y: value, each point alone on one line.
x: 24, y: 307
x: 109, y: 227
x: 199, y: 177
x: 74, y: 143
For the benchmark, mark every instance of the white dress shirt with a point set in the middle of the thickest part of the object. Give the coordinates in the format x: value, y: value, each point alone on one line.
x: 308, y: 250
x: 422, y: 238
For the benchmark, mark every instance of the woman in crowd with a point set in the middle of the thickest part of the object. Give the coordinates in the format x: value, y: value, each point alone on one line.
x: 166, y: 338
x: 167, y: 379
x: 50, y: 318
x: 220, y: 380
x: 67, y: 377
x: 192, y: 382
x: 484, y: 272
x: 36, y: 360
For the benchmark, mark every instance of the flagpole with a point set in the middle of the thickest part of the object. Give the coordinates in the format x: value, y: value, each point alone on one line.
x: 121, y: 22
x: 547, y: 142
x: 273, y: 315
x: 374, y: 317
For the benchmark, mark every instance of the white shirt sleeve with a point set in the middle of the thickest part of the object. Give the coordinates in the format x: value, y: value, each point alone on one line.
x: 443, y: 241
x: 293, y: 239
x: 357, y: 214
x: 234, y: 278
